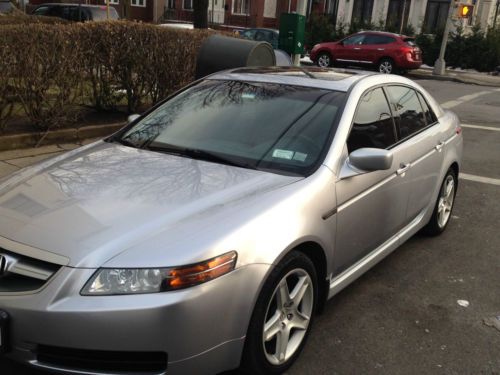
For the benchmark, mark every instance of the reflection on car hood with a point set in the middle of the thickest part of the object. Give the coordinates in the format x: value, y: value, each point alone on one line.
x: 89, y: 204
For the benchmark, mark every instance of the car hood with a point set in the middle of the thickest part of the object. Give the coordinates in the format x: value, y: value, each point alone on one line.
x: 90, y: 204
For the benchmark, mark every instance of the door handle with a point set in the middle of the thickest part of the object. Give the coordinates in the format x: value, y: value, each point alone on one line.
x: 403, y: 168
x: 439, y: 146
x: 380, y: 49
x: 356, y: 48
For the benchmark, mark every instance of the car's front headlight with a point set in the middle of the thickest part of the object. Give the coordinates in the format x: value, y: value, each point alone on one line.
x: 112, y: 281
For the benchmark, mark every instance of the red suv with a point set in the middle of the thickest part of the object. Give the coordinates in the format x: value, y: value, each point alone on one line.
x: 386, y: 51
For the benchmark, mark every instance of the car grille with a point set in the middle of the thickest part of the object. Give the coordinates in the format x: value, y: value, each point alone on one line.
x: 19, y: 273
x: 102, y: 361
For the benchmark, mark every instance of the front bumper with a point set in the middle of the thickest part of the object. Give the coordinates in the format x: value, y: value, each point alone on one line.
x: 200, y: 329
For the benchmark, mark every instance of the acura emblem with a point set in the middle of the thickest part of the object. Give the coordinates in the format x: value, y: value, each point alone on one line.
x: 3, y: 264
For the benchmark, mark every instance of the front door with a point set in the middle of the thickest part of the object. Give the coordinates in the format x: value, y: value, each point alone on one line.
x: 419, y: 129
x: 371, y: 206
x: 349, y: 51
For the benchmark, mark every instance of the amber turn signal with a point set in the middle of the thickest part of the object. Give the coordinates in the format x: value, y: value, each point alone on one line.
x: 186, y: 276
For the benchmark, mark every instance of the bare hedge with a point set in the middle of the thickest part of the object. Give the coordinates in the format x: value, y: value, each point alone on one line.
x: 51, y: 70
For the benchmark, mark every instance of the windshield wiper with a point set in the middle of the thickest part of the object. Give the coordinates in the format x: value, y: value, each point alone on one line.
x: 196, y: 154
x: 125, y: 142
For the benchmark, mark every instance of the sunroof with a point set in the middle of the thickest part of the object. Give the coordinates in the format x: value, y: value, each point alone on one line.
x: 303, y: 72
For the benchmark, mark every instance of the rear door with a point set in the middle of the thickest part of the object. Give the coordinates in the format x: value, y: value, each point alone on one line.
x: 423, y: 138
x: 371, y: 206
x: 376, y: 46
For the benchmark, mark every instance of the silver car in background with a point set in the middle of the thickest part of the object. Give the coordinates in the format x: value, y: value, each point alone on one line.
x: 205, y: 235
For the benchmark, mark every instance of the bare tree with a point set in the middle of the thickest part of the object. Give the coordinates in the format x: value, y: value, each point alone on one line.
x: 200, y: 14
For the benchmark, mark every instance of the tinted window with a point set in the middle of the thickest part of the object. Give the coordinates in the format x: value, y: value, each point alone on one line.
x: 410, y: 116
x: 42, y: 11
x: 378, y: 39
x: 430, y: 117
x: 261, y: 125
x: 373, y: 125
x: 356, y: 39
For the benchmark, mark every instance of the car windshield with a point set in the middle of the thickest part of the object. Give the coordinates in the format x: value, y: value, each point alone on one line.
x: 273, y: 127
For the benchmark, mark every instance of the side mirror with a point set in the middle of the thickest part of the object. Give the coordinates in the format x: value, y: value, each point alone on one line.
x: 132, y: 118
x: 371, y: 159
x: 366, y: 160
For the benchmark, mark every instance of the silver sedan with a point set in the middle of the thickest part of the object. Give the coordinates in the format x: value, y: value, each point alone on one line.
x: 206, y: 234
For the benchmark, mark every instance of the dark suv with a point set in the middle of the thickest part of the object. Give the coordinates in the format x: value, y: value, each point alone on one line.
x: 76, y: 12
x: 386, y: 51
x: 5, y: 6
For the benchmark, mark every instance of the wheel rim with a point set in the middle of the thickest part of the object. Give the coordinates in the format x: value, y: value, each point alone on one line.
x: 287, y: 317
x: 324, y: 61
x: 445, y: 204
x: 385, y: 67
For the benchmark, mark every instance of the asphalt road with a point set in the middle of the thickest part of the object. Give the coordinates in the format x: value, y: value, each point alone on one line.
x: 402, y: 317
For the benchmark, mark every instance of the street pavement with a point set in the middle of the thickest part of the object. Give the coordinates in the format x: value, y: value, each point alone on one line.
x: 403, y: 316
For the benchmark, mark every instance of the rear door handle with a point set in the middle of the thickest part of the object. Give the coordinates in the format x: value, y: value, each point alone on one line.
x: 439, y: 146
x: 403, y: 168
x: 356, y: 48
x: 380, y: 49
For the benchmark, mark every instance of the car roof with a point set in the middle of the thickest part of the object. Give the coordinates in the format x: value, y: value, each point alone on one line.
x: 332, y: 79
x: 381, y: 33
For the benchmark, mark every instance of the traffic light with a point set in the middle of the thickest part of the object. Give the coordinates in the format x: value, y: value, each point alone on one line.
x: 465, y: 10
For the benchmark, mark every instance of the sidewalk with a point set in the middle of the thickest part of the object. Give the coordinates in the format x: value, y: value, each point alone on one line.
x: 483, y: 79
x: 11, y: 161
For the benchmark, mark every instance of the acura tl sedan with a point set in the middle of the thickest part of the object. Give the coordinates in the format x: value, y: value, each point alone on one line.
x: 206, y: 234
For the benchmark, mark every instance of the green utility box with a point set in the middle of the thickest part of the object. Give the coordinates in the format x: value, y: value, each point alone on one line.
x: 292, y: 33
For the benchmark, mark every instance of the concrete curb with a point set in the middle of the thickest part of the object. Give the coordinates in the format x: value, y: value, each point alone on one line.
x: 28, y: 140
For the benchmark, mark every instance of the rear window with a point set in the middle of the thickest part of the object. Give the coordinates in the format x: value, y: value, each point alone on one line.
x: 410, y: 41
x: 100, y: 14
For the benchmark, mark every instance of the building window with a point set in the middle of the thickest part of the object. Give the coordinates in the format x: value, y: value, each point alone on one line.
x: 187, y: 4
x: 362, y: 12
x: 436, y: 15
x: 138, y: 3
x: 241, y: 7
x: 171, y: 4
x: 114, y: 2
x: 398, y: 11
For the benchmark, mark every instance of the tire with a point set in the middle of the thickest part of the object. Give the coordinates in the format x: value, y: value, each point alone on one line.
x: 386, y: 66
x: 444, y: 205
x: 324, y: 60
x: 282, y: 312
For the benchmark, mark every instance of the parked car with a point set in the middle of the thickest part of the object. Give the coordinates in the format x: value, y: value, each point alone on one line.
x: 386, y: 51
x: 5, y: 6
x: 206, y: 233
x: 262, y: 35
x: 76, y: 12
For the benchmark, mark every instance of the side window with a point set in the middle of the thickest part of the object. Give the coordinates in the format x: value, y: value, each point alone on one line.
x: 373, y: 124
x: 354, y: 40
x: 410, y: 116
x: 430, y: 117
x: 378, y: 39
x: 42, y: 11
x: 249, y: 34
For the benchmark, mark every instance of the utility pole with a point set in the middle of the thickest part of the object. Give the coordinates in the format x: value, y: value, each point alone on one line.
x: 301, y: 9
x: 440, y: 64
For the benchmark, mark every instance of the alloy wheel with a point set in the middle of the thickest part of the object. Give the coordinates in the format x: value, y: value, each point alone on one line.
x: 385, y: 67
x: 324, y: 61
x: 447, y: 196
x: 288, y: 315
